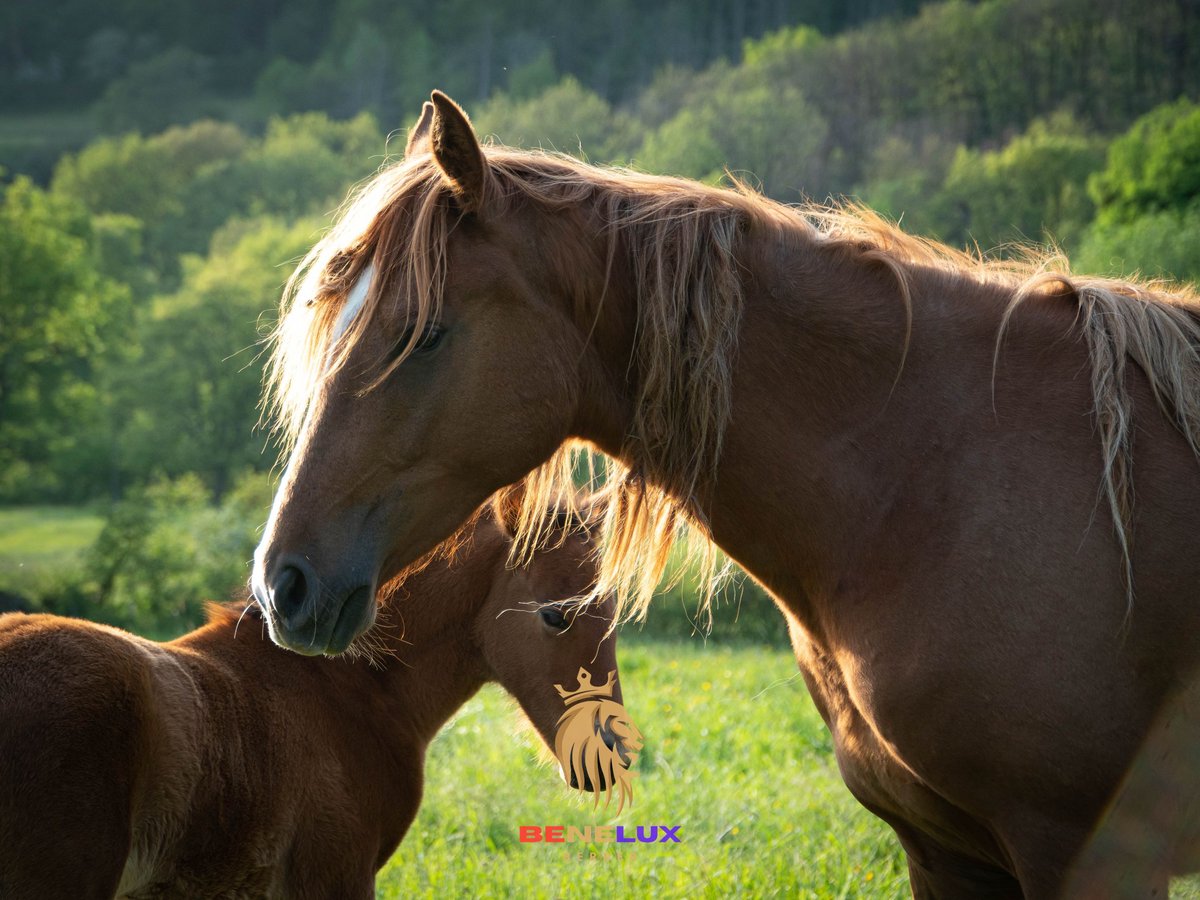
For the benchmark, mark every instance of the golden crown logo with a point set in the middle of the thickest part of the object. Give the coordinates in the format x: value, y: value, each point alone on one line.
x: 586, y: 689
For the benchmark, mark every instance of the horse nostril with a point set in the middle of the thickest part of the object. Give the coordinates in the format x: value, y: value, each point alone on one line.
x: 290, y: 592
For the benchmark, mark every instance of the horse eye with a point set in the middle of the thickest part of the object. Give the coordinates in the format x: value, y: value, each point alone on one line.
x: 553, y: 617
x: 430, y: 338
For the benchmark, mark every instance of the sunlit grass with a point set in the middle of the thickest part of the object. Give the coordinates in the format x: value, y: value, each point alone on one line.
x: 38, y: 544
x: 735, y: 754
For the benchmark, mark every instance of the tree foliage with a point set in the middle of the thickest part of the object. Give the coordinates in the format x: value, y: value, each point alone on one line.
x: 1152, y: 168
x: 194, y: 388
x: 134, y: 291
x: 767, y: 134
x: 1163, y: 244
x: 566, y: 116
x: 165, y: 551
x: 165, y: 89
x: 60, y: 323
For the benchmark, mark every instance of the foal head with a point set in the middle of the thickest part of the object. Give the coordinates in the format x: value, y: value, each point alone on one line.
x: 537, y: 630
x: 556, y: 654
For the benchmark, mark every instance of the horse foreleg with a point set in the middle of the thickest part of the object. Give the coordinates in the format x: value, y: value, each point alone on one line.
x: 936, y: 873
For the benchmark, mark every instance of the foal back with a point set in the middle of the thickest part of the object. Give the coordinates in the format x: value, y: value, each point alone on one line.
x: 72, y: 732
x: 134, y: 769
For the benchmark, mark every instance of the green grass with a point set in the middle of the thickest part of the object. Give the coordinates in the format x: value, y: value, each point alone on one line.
x: 735, y: 754
x: 38, y: 544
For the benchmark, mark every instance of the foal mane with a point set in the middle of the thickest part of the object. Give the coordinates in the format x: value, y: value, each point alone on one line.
x: 682, y: 239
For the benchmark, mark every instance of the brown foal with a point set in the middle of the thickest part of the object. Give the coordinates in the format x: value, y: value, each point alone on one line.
x: 220, y: 765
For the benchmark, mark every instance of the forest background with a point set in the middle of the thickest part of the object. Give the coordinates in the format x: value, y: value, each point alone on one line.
x: 164, y: 165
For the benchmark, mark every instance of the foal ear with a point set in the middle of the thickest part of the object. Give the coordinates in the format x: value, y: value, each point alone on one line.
x: 457, y: 152
x: 506, y: 507
x: 418, y: 138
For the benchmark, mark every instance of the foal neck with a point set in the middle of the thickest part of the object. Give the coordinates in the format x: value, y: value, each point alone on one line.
x: 430, y: 662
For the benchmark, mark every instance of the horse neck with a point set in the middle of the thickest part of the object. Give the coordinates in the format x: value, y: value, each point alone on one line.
x: 821, y: 426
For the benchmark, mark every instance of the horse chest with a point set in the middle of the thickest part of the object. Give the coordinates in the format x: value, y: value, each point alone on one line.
x: 872, y: 766
x: 869, y: 767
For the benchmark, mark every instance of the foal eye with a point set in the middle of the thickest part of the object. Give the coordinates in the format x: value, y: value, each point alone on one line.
x: 553, y: 617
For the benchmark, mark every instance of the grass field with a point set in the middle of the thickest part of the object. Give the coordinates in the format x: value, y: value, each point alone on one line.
x: 39, y: 543
x: 735, y: 754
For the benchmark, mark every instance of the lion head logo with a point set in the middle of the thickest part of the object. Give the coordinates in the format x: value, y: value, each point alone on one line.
x: 595, y: 742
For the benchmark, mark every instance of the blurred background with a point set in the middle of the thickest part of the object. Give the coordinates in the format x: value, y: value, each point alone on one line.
x: 163, y: 165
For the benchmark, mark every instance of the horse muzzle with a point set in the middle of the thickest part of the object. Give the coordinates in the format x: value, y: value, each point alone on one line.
x: 308, y: 618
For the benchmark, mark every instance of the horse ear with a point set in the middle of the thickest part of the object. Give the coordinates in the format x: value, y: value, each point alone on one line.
x: 458, y: 153
x: 418, y: 138
x: 506, y: 507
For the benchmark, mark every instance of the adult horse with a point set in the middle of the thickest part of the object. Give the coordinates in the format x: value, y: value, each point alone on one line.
x: 926, y: 458
x: 219, y: 765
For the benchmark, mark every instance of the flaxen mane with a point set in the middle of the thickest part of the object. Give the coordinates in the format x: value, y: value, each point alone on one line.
x: 682, y: 239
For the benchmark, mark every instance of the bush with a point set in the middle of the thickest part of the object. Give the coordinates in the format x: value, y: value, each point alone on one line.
x: 165, y: 551
x: 1163, y: 245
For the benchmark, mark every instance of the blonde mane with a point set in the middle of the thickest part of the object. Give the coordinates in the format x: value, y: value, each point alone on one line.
x: 681, y: 239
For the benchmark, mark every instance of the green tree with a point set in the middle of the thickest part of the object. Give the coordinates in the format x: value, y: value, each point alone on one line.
x: 60, y: 320
x: 166, y: 89
x: 149, y: 180
x: 1154, y: 166
x: 904, y: 181
x: 566, y: 117
x: 1163, y: 244
x: 165, y: 551
x: 1033, y: 188
x: 192, y: 395
x: 768, y: 133
x: 302, y: 165
x: 183, y: 184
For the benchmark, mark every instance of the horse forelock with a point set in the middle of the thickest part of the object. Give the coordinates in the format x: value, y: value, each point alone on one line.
x: 682, y: 240
x: 337, y: 290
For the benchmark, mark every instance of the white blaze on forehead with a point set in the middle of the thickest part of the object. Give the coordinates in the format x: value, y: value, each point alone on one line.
x: 354, y: 301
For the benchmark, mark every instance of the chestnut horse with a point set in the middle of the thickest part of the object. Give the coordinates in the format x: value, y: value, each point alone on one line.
x: 220, y: 765
x: 927, y: 459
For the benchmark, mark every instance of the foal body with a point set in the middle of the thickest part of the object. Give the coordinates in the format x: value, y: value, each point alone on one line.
x: 220, y: 765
